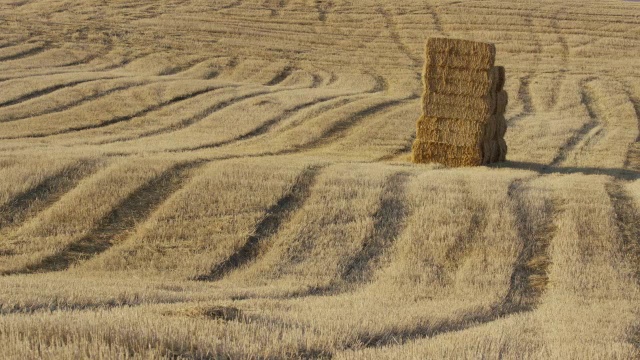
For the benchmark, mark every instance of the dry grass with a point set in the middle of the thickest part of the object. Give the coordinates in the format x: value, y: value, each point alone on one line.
x: 232, y: 179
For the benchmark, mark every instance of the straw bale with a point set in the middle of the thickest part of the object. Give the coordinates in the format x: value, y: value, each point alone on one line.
x: 465, y: 82
x: 446, y: 154
x: 463, y: 105
x: 458, y: 107
x: 462, y: 47
x: 502, y: 77
x: 502, y: 100
x: 451, y: 131
x: 455, y: 53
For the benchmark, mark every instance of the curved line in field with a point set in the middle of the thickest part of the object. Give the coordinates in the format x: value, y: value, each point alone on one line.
x: 45, y: 194
x: 281, y: 76
x: 220, y: 106
x: 524, y: 94
x: 177, y: 70
x: 185, y: 123
x: 583, y: 135
x: 120, y: 118
x: 521, y: 296
x: 392, y: 27
x: 627, y: 219
x: 274, y: 218
x: 264, y: 127
x: 340, y: 128
x: 388, y: 223
x: 117, y: 224
x: 46, y: 91
x: 75, y: 103
x: 632, y: 159
x: 334, y: 132
x: 25, y: 53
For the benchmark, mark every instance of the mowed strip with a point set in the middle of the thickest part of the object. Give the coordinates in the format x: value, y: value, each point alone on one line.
x: 594, y: 294
x: 446, y: 270
x: 316, y: 245
x: 310, y: 128
x: 165, y: 120
x: 191, y: 234
x: 589, y: 308
x: 20, y: 50
x: 236, y: 120
x: 16, y: 91
x: 65, y: 98
x: 114, y: 108
x: 37, y: 198
x: 24, y: 175
x: 606, y: 145
x: 388, y: 132
x: 51, y: 57
x: 76, y: 214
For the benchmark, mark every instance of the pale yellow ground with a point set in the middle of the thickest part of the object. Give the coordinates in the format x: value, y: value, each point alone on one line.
x: 230, y: 179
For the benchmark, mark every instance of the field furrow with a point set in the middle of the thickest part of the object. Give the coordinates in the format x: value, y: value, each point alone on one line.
x: 272, y: 221
x: 43, y: 91
x: 54, y: 103
x: 189, y: 179
x: 79, y: 119
x: 28, y: 204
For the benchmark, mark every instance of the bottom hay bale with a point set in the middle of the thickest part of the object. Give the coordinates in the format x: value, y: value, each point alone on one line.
x: 450, y: 131
x: 449, y: 155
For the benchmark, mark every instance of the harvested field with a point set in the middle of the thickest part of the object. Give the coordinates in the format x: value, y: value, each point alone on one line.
x: 233, y: 179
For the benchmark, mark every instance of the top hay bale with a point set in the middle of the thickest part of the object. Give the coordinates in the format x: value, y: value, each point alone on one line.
x: 460, y: 54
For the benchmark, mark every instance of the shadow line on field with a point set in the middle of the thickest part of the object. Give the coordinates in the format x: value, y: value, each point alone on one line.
x: 118, y: 223
x: 618, y: 173
x: 274, y: 218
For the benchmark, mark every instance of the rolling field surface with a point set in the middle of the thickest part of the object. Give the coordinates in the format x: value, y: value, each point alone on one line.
x: 232, y: 179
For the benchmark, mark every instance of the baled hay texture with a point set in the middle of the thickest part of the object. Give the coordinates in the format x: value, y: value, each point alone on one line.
x: 462, y: 54
x: 449, y: 155
x: 502, y: 147
x: 502, y: 77
x: 458, y: 107
x: 502, y: 100
x: 459, y: 81
x: 450, y: 131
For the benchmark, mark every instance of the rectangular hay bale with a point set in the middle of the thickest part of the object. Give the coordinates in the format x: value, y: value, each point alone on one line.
x: 455, y: 53
x: 457, y: 106
x: 463, y: 105
x: 449, y: 155
x: 451, y: 131
x: 464, y: 82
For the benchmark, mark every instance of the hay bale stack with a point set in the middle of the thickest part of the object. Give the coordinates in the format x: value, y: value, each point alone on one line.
x: 463, y: 105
